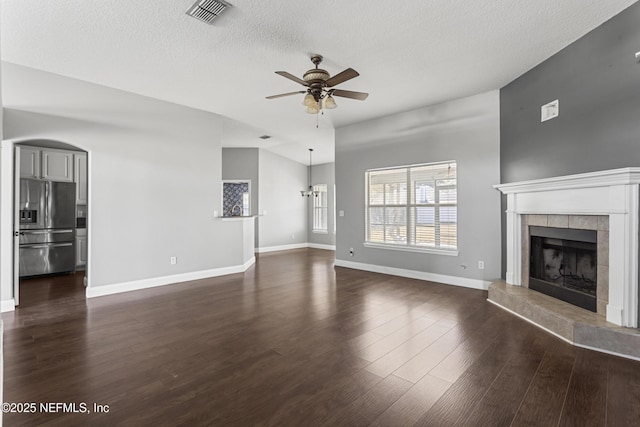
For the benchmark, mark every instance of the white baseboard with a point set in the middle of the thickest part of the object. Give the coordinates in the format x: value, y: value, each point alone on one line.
x: 281, y: 248
x: 321, y: 246
x: 7, y: 305
x: 98, y: 291
x: 413, y: 274
x: 295, y: 246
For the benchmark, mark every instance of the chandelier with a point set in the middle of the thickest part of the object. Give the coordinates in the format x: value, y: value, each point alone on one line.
x: 309, y: 191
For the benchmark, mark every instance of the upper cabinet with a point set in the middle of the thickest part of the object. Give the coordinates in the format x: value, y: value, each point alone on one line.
x: 46, y: 163
x: 29, y: 162
x: 80, y: 177
x: 57, y: 165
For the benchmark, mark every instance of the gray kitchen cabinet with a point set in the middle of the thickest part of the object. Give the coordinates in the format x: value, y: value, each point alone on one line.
x: 57, y: 165
x: 29, y: 162
x: 80, y: 177
x: 81, y: 247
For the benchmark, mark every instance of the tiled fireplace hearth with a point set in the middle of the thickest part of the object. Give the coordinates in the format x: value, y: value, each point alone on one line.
x: 606, y: 202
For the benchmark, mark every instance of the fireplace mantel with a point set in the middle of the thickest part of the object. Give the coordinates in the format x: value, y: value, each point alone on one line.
x: 615, y: 193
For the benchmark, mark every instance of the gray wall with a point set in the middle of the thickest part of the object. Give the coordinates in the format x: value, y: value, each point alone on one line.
x: 323, y: 174
x: 154, y: 173
x: 597, y: 81
x: 281, y: 180
x: 465, y: 130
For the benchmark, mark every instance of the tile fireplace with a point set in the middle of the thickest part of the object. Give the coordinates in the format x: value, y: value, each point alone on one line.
x: 604, y: 207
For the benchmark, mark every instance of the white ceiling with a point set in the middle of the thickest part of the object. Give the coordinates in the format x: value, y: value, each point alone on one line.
x: 409, y: 54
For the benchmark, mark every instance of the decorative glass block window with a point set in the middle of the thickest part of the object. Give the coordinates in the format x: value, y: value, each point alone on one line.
x: 413, y: 207
x: 320, y: 208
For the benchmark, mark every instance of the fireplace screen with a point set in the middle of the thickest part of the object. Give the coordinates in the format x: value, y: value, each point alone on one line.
x: 564, y: 264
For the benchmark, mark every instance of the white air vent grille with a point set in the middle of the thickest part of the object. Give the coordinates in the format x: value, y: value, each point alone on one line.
x: 207, y: 10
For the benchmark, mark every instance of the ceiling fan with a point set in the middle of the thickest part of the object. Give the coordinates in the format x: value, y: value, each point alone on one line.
x: 320, y: 87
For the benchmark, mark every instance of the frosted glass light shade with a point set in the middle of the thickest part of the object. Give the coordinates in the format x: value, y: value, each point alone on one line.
x: 312, y: 109
x: 329, y: 103
x: 308, y: 100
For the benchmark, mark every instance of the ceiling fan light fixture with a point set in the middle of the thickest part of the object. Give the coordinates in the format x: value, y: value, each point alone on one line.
x: 329, y: 103
x: 320, y: 87
x: 316, y: 75
x: 313, y: 108
x: 308, y: 100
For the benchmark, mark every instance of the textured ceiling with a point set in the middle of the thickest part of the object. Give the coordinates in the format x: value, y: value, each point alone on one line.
x: 409, y: 54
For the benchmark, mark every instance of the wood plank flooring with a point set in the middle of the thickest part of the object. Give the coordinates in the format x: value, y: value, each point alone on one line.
x: 295, y: 341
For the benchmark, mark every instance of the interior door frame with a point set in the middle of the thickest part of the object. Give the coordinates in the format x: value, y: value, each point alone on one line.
x: 7, y: 230
x: 16, y: 225
x: 9, y: 204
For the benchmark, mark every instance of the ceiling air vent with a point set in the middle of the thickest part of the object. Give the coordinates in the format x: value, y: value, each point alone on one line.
x: 207, y: 10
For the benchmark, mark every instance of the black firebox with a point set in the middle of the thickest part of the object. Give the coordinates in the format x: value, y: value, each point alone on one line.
x: 563, y: 264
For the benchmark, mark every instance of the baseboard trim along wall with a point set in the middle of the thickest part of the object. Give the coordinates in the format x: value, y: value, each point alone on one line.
x: 413, y: 274
x: 321, y: 246
x: 281, y: 248
x: 135, y: 285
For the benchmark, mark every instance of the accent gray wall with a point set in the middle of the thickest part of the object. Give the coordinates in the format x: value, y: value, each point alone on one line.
x: 323, y: 174
x: 465, y: 130
x: 597, y: 81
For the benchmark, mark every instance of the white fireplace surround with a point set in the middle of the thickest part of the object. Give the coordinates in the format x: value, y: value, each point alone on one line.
x: 615, y: 193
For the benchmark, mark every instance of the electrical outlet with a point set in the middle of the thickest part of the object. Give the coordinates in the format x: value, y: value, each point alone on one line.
x: 350, y: 251
x: 173, y: 260
x: 341, y: 213
x: 215, y: 214
x: 480, y: 265
x: 293, y: 236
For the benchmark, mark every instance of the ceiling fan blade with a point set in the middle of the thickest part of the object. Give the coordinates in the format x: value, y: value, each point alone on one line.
x: 285, y: 94
x: 292, y: 77
x: 361, y: 96
x: 347, y: 74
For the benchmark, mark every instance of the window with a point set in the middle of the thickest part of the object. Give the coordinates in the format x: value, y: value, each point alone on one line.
x: 413, y: 207
x: 320, y: 209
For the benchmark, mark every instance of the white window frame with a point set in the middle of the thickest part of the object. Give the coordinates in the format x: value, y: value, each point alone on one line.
x: 409, y: 205
x: 320, y: 210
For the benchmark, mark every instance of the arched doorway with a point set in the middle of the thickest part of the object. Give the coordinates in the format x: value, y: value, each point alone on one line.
x: 50, y: 221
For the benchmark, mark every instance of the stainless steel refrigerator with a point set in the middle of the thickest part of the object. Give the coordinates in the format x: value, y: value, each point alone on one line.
x: 47, y: 227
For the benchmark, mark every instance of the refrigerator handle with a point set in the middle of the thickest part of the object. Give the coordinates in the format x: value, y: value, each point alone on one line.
x: 70, y: 230
x: 45, y: 245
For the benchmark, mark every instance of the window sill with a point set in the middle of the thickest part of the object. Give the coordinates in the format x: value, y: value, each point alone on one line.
x: 319, y: 231
x: 433, y: 251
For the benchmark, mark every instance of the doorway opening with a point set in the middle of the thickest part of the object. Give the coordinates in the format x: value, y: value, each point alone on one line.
x: 50, y: 221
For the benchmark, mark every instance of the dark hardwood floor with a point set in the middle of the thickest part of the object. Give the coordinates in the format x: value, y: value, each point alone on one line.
x: 294, y: 341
